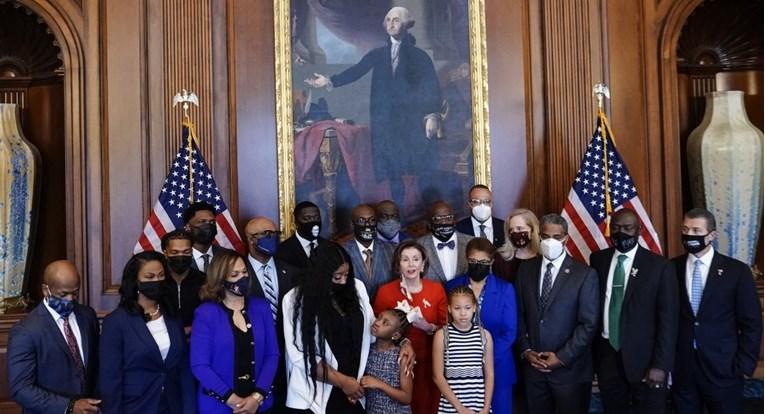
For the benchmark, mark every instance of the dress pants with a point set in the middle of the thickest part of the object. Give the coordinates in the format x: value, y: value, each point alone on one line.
x: 618, y: 394
x: 693, y: 392
x: 548, y: 397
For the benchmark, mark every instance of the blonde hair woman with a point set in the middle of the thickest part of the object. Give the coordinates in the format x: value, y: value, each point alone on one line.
x: 521, y: 243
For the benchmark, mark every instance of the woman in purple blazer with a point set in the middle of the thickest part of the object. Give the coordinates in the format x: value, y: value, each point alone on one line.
x: 234, y: 353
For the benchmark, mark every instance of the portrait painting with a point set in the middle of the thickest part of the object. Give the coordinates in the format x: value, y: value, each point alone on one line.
x: 379, y: 100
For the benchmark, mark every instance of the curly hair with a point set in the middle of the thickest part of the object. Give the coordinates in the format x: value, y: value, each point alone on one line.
x: 312, y: 307
x: 129, y: 285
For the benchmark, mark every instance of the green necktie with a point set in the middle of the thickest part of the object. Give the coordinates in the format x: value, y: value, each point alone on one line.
x: 615, y: 307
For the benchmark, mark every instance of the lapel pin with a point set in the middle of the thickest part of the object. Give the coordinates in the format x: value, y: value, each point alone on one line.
x: 719, y: 272
x: 634, y: 272
x: 567, y: 270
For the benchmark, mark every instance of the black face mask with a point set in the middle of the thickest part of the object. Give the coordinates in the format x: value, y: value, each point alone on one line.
x: 204, y: 233
x: 306, y: 230
x: 239, y: 288
x: 694, y: 244
x: 520, y: 239
x: 154, y: 290
x: 443, y: 232
x: 364, y: 233
x: 478, y: 271
x: 179, y: 264
x: 624, y: 242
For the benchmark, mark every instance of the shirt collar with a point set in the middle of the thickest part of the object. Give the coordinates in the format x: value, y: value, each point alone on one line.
x: 257, y: 265
x: 362, y: 248
x: 197, y: 254
x: 557, y: 263
x: 454, y: 237
x: 706, y: 259
x: 395, y: 42
x: 486, y: 224
x: 630, y: 254
x: 303, y: 242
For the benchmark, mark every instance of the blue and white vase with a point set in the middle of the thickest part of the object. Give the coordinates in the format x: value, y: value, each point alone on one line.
x: 725, y: 168
x: 19, y: 163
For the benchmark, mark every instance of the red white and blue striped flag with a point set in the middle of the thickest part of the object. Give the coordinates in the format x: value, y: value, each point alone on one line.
x: 187, y: 174
x: 602, y: 185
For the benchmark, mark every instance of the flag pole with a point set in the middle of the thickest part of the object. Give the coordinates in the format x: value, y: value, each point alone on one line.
x: 601, y: 92
x: 185, y: 97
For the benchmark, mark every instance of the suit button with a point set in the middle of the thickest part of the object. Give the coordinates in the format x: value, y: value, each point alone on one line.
x: 542, y: 322
x: 163, y: 388
x: 696, y: 324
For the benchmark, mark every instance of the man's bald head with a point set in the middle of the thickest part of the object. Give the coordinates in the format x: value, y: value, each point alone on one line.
x: 255, y: 229
x: 62, y: 279
x: 440, y: 208
x: 364, y: 211
x: 625, y: 221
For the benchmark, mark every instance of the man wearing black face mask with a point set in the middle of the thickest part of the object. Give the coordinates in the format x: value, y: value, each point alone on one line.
x: 635, y: 348
x: 296, y: 250
x: 370, y: 260
x: 444, y: 246
x: 720, y: 323
x: 53, y: 351
x: 199, y: 220
x: 185, y: 281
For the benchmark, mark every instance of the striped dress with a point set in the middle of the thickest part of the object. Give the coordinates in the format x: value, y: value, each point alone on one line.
x: 463, y: 368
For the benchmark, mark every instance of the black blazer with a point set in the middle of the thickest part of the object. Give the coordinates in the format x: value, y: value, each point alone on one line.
x: 286, y: 276
x: 291, y: 252
x: 216, y: 249
x: 727, y: 328
x: 566, y: 326
x: 465, y: 226
x: 41, y: 373
x: 648, y: 323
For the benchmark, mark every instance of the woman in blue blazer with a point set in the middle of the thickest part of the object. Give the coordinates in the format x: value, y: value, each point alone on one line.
x: 498, y: 314
x: 144, y: 364
x: 234, y: 353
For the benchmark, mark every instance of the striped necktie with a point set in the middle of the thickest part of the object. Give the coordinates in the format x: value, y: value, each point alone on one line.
x: 696, y: 288
x: 269, y: 290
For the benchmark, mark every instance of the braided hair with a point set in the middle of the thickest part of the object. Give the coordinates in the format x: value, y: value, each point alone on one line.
x: 403, y: 324
x: 464, y: 290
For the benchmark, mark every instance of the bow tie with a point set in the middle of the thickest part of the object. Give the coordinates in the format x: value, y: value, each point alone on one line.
x: 449, y: 244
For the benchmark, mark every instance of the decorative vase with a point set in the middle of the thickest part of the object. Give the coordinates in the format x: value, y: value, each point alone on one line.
x: 725, y: 168
x: 19, y: 163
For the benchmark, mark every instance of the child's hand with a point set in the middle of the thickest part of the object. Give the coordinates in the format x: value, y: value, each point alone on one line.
x: 464, y: 410
x: 370, y: 383
x: 352, y: 389
x: 407, y: 358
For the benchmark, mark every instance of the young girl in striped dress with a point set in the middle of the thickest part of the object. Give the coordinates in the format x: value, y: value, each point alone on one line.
x: 463, y: 367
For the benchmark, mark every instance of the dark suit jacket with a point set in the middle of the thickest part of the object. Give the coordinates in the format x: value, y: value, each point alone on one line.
x: 216, y: 249
x: 435, y: 270
x: 287, y: 278
x: 291, y: 252
x: 648, y: 323
x: 41, y: 373
x: 566, y: 326
x: 465, y: 226
x: 727, y: 328
x: 133, y: 375
x: 381, y: 265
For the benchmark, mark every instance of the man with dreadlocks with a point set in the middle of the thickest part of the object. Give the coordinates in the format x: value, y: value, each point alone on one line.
x: 327, y: 320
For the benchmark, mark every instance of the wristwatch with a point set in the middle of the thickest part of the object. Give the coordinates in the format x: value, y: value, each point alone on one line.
x: 258, y: 397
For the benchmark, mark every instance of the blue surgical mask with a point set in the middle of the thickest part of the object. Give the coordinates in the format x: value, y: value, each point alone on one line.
x: 389, y: 228
x: 267, y: 244
x: 62, y: 306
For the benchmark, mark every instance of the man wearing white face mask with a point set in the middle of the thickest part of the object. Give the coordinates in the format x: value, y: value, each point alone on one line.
x: 481, y: 223
x: 558, y: 310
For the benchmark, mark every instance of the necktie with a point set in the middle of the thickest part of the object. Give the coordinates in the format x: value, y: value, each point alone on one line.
x: 312, y: 247
x: 206, y: 259
x: 269, y: 290
x: 368, y: 262
x: 696, y: 288
x: 74, y: 349
x: 546, y: 286
x: 394, y: 56
x: 482, y: 228
x: 615, y: 307
x: 449, y: 244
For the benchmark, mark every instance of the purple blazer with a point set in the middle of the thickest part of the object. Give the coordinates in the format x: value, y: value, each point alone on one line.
x: 212, y: 353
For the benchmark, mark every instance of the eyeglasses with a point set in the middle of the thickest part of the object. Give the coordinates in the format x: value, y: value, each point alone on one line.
x: 442, y: 219
x: 267, y: 233
x: 369, y: 221
x: 481, y: 262
x: 477, y: 202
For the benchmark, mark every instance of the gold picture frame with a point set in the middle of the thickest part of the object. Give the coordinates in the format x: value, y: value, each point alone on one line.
x: 283, y: 61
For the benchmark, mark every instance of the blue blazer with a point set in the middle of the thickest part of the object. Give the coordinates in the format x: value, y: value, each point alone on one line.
x: 212, y: 353
x: 499, y: 317
x: 381, y: 261
x: 133, y: 375
x: 41, y: 372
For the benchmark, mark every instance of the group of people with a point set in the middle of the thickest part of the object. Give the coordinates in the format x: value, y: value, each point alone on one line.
x: 387, y: 323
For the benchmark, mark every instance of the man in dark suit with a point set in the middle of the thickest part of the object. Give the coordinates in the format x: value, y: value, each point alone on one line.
x: 183, y: 281
x: 558, y: 313
x: 445, y: 247
x: 271, y: 279
x: 296, y: 250
x: 720, y: 330
x: 389, y: 223
x: 199, y: 220
x: 370, y: 260
x: 481, y: 223
x: 635, y: 348
x: 53, y: 351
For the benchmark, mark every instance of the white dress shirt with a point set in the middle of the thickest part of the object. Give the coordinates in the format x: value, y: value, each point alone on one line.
x: 487, y: 228
x: 306, y: 244
x: 158, y: 330
x: 447, y: 257
x: 200, y: 261
x: 258, y: 267
x: 395, y: 46
x: 557, y: 263
x: 627, y: 265
x: 72, y: 324
x: 690, y: 264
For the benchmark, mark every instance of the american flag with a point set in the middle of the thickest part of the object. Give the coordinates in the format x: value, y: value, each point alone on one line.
x: 599, y: 191
x: 167, y: 214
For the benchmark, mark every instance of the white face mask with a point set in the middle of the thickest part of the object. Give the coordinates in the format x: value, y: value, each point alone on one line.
x: 482, y: 212
x: 315, y: 231
x: 551, y: 248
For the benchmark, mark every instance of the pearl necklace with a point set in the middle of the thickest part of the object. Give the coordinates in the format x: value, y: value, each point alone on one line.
x: 153, y: 314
